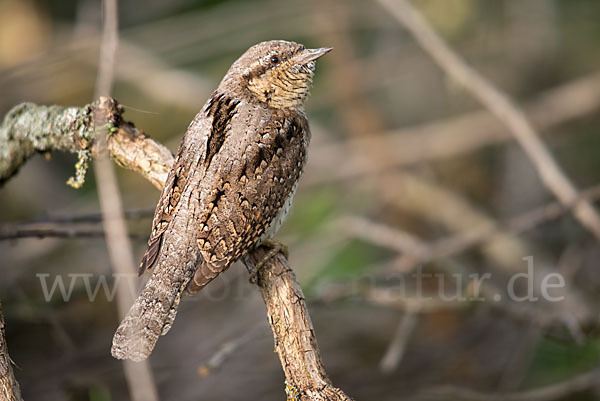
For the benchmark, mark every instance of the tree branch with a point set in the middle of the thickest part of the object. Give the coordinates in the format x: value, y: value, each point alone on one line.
x: 9, y: 387
x: 12, y: 232
x: 28, y: 129
x: 293, y: 332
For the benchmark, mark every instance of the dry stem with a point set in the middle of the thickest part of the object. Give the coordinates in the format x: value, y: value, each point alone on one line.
x: 294, y: 336
x: 139, y: 376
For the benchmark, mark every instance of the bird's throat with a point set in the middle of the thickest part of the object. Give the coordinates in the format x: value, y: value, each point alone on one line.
x: 282, y: 88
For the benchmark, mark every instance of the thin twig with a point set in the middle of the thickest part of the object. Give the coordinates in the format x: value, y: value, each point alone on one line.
x: 12, y: 232
x: 139, y: 375
x: 383, y: 235
x: 228, y: 348
x: 59, y: 226
x: 501, y: 106
x: 395, y: 351
x: 129, y: 214
x: 108, y: 49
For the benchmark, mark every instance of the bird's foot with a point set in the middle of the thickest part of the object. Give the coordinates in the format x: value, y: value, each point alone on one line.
x: 274, y: 248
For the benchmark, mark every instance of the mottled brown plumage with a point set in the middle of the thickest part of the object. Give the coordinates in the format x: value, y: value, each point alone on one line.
x: 231, y: 185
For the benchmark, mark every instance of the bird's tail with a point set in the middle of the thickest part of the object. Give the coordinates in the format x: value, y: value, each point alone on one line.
x: 151, y: 316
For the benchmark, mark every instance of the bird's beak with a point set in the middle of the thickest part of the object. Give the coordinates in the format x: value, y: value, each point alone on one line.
x: 308, y: 55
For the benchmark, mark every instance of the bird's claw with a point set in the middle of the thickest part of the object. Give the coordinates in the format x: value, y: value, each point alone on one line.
x: 275, y: 247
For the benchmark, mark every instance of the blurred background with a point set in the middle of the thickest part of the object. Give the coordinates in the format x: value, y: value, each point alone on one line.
x: 407, y: 173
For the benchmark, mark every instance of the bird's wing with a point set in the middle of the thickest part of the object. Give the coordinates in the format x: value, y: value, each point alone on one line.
x: 164, y: 212
x: 253, y: 173
x: 204, y: 135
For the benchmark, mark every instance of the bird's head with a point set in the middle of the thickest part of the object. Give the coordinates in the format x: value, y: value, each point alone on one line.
x: 278, y: 73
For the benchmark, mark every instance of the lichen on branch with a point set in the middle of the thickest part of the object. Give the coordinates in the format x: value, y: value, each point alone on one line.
x: 28, y: 129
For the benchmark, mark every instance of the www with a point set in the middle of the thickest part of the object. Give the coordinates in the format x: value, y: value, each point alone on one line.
x: 66, y: 293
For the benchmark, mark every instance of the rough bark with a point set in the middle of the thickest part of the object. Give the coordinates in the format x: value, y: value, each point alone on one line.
x: 9, y: 387
x: 293, y: 333
x: 28, y: 129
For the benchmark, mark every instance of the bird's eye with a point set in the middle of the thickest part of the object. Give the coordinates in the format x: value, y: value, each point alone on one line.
x: 274, y: 59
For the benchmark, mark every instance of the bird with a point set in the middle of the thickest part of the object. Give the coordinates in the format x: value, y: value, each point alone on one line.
x: 230, y: 187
